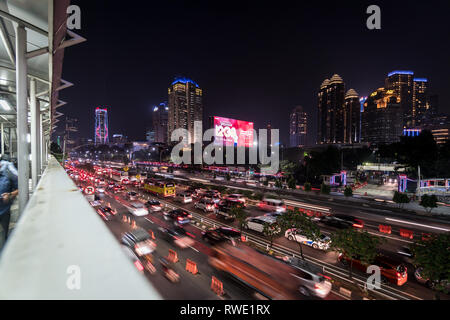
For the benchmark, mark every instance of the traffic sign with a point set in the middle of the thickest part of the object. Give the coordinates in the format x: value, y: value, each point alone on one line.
x: 89, y: 190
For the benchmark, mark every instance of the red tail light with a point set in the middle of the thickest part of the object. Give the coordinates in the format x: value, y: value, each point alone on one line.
x: 139, y: 265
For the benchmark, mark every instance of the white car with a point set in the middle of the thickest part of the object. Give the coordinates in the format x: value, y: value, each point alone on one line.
x: 257, y: 223
x: 296, y: 235
x: 272, y: 205
x: 137, y: 209
x: 100, y: 189
x: 205, y: 205
x: 183, y: 198
x: 237, y: 197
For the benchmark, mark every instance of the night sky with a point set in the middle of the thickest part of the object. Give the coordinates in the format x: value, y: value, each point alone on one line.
x: 254, y: 60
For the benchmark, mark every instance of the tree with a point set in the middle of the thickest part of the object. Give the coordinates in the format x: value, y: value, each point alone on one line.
x: 325, y: 188
x: 270, y: 231
x: 400, y: 198
x: 307, y: 186
x: 240, y: 215
x: 278, y: 184
x: 432, y: 255
x: 354, y: 244
x: 428, y: 202
x: 292, y: 183
x: 348, y: 192
x: 296, y: 220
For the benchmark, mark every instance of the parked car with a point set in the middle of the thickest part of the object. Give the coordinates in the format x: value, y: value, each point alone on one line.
x: 178, y: 216
x: 184, y: 197
x: 296, y: 235
x: 272, y: 205
x: 205, y: 205
x: 221, y: 234
x: 257, y: 223
x: 391, y: 270
x: 312, y: 280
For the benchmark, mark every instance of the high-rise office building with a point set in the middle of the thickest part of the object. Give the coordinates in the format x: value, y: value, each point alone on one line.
x: 420, y: 100
x: 402, y: 83
x: 382, y: 119
x: 160, y: 119
x: 331, y: 110
x: 298, y: 127
x: 185, y: 107
x: 101, y: 126
x: 352, y: 115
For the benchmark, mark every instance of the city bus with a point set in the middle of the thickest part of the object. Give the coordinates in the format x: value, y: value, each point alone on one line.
x: 160, y: 187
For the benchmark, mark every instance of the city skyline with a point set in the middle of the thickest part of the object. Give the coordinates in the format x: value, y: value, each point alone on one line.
x: 244, y: 70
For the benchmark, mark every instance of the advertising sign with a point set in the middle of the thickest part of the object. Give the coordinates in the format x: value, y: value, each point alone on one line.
x: 232, y: 132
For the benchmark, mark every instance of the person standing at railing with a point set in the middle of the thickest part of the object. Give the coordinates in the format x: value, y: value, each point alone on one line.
x: 8, y: 191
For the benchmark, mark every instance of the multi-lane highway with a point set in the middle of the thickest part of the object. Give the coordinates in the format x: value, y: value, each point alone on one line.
x: 197, y: 287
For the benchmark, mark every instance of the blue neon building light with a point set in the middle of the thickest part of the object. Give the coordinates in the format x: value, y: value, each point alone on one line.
x: 184, y: 81
x: 421, y: 79
x: 400, y: 72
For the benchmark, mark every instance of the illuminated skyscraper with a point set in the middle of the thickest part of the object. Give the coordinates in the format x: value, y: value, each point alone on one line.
x: 421, y: 103
x: 331, y: 111
x: 185, y: 107
x: 402, y: 83
x: 298, y: 127
x: 352, y: 116
x: 382, y: 121
x: 101, y: 126
x: 160, y: 119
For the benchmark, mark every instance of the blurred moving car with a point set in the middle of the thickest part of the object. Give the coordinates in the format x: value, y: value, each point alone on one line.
x: 296, y: 234
x: 132, y: 195
x: 342, y: 221
x: 221, y: 234
x: 205, y: 205
x: 178, y: 216
x: 406, y: 253
x: 418, y: 274
x: 178, y: 235
x: 106, y: 213
x: 391, y: 270
x: 137, y: 209
x: 183, y: 197
x: 139, y: 240
x: 132, y: 256
x: 312, y: 280
x: 237, y: 197
x: 225, y: 207
x: 153, y: 205
x: 257, y: 223
x: 276, y: 205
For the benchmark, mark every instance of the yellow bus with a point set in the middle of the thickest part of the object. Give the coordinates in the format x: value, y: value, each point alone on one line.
x: 160, y: 187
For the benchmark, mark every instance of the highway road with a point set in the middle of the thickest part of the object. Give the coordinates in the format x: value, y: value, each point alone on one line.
x: 411, y: 290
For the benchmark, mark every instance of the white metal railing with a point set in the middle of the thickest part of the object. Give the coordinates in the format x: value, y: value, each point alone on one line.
x: 61, y: 249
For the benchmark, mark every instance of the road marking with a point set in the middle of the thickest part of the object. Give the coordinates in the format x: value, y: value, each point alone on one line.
x: 149, y: 220
x: 417, y: 224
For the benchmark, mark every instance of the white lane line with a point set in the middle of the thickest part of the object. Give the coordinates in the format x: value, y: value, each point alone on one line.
x: 193, y: 248
x: 149, y: 220
x: 417, y: 224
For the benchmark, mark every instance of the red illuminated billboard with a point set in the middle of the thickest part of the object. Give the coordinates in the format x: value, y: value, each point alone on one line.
x: 231, y: 132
